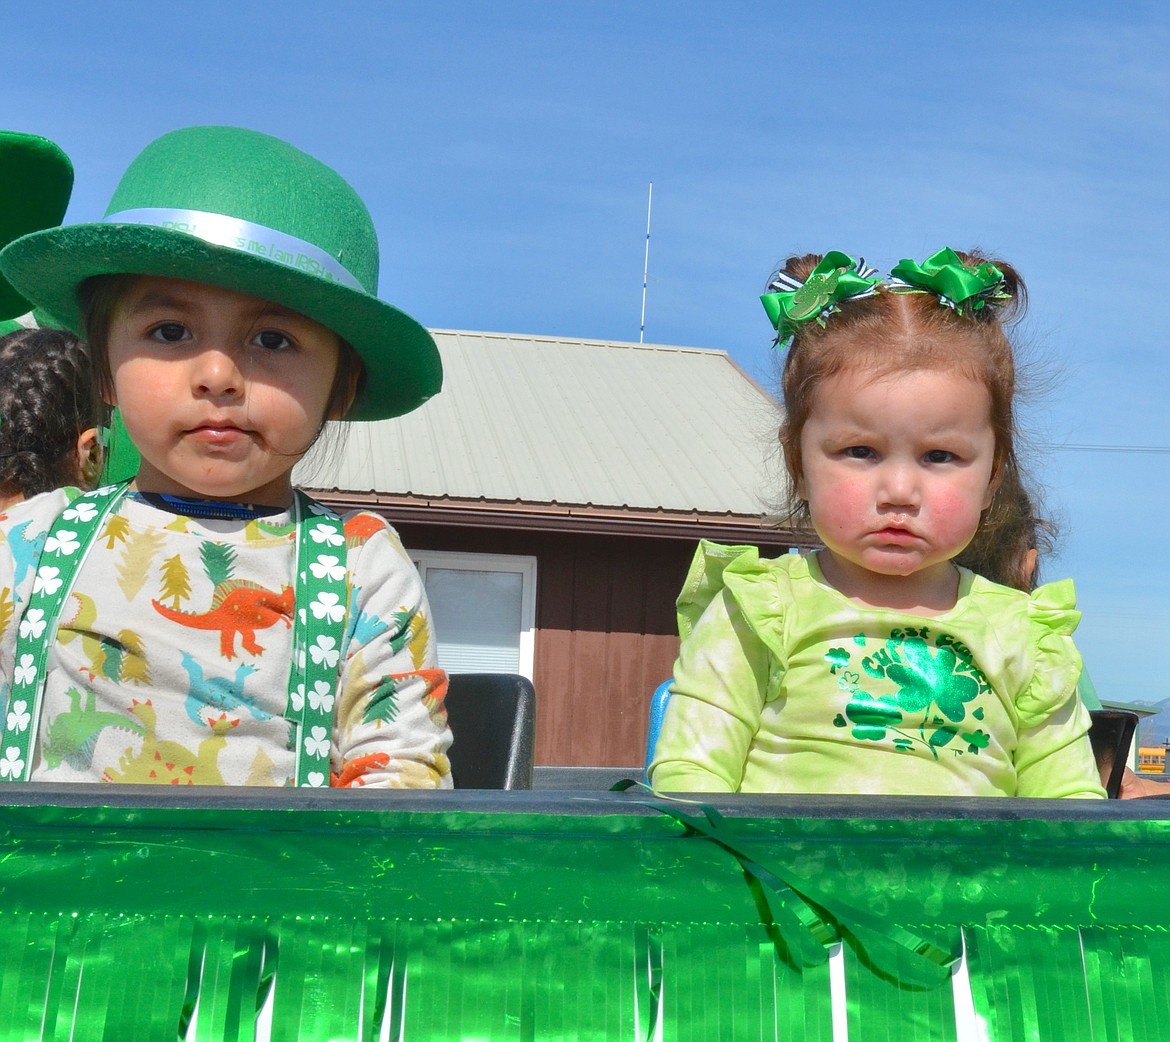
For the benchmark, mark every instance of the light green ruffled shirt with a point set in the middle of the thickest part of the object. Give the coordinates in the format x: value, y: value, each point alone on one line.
x: 784, y: 685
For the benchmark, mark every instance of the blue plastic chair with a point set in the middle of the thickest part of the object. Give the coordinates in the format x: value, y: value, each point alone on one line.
x: 657, y: 708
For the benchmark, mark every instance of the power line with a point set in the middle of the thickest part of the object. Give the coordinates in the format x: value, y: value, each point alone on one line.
x: 1157, y: 450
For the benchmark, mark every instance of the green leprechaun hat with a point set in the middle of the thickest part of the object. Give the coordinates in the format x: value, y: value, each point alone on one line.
x: 36, y: 180
x: 235, y: 208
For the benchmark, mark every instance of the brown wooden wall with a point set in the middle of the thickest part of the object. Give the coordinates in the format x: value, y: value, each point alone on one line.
x: 605, y: 632
x: 606, y: 639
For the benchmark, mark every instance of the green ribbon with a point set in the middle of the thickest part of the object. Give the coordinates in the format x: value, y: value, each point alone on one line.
x: 953, y: 282
x: 806, y: 924
x: 833, y: 280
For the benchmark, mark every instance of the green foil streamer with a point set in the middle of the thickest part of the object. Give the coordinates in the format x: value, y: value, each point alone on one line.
x: 569, y: 917
x: 879, y: 1008
x: 802, y: 921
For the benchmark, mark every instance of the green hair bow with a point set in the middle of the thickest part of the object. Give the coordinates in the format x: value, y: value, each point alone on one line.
x: 836, y: 278
x: 953, y: 282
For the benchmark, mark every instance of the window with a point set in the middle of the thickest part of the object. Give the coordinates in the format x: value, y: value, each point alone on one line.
x: 484, y: 609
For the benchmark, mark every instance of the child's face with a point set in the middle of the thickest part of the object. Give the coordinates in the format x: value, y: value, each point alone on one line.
x: 897, y: 469
x: 221, y: 393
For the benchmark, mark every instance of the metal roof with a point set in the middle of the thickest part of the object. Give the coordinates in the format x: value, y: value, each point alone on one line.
x: 549, y: 420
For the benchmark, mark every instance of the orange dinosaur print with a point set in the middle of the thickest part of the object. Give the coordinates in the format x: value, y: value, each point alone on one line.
x: 360, y: 527
x: 237, y: 607
x: 353, y: 771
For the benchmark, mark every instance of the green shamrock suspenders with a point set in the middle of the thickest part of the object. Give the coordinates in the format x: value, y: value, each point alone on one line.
x: 318, y: 629
x: 322, y: 604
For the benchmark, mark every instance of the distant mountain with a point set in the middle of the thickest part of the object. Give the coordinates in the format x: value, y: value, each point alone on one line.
x: 1154, y: 730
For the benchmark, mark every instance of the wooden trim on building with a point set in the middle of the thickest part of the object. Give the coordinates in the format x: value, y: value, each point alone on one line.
x: 572, y: 518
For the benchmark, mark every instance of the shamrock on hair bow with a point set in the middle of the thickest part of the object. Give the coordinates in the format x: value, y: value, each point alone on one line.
x: 956, y: 284
x: 836, y: 278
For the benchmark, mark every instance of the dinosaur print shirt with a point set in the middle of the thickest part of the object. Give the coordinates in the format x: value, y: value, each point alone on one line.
x: 171, y: 659
x: 784, y: 685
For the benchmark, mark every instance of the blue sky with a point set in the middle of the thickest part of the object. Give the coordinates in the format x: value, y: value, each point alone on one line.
x: 505, y: 152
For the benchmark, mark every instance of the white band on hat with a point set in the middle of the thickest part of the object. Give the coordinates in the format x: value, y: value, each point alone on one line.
x: 237, y: 234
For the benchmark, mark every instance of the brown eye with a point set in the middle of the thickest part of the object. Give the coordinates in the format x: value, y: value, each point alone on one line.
x: 272, y: 340
x: 170, y: 333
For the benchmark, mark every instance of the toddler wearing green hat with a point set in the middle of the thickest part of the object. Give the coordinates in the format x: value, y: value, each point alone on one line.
x: 208, y: 623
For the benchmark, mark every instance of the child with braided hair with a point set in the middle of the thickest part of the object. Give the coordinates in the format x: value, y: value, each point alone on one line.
x: 49, y: 414
x: 876, y: 664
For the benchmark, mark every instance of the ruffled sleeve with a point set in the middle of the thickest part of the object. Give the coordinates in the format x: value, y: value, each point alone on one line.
x: 704, y: 581
x: 720, y: 681
x: 1053, y: 755
x: 766, y: 592
x: 1053, y: 618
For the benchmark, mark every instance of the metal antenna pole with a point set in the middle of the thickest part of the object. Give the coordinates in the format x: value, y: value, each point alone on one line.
x: 646, y: 265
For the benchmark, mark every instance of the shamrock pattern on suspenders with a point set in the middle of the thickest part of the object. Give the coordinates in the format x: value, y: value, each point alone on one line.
x: 319, y: 624
x: 322, y: 604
